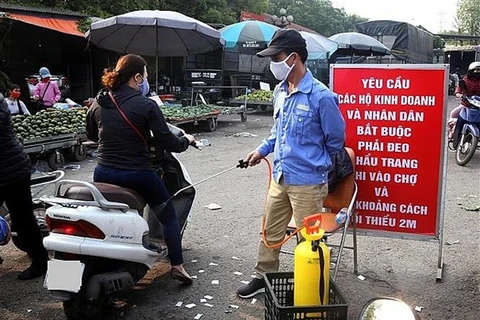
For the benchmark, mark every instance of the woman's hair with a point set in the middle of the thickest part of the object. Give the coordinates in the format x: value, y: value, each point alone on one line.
x: 127, y: 66
x: 12, y: 87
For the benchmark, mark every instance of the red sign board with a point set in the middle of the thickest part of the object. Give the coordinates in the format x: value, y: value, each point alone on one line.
x: 395, y: 123
x: 244, y: 16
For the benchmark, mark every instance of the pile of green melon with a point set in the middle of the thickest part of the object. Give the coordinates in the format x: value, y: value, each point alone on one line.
x: 257, y: 96
x: 176, y: 112
x: 50, y: 123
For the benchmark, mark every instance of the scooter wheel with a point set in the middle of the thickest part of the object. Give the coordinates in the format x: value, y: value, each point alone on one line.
x: 78, y: 308
x: 466, y: 149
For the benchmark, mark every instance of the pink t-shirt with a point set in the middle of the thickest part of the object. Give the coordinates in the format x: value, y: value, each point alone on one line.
x: 52, y: 95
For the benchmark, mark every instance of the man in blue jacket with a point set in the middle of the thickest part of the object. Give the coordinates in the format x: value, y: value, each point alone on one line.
x: 308, y: 131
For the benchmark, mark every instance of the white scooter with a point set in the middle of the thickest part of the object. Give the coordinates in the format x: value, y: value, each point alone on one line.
x: 100, y: 237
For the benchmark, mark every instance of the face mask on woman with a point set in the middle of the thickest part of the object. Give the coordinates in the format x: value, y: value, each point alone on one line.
x: 281, y: 69
x: 144, y: 87
x: 15, y: 94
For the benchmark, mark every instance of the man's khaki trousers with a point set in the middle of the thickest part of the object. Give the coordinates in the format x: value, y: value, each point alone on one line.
x: 283, y: 201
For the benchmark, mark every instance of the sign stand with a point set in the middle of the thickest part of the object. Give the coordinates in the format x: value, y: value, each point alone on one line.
x: 396, y: 120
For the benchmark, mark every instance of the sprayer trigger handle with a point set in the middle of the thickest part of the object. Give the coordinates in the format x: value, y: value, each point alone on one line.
x: 242, y: 164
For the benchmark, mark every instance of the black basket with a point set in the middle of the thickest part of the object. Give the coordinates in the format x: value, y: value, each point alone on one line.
x: 279, y: 301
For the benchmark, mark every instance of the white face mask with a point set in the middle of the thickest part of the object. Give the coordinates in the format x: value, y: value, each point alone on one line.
x: 280, y: 69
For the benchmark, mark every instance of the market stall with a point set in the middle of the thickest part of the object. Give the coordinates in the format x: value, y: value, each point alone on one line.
x: 258, y: 99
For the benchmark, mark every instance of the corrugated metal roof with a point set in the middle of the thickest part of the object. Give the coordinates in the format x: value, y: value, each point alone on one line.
x: 460, y: 48
x: 6, y: 7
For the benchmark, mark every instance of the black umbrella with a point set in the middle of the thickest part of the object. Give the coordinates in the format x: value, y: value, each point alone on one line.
x: 353, y: 43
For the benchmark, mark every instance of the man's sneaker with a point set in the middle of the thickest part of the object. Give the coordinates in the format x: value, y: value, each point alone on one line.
x: 254, y: 287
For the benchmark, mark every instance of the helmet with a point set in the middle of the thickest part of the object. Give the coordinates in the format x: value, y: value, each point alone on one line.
x: 44, y: 73
x: 474, y: 66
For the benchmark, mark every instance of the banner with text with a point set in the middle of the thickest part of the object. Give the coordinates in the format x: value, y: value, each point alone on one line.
x: 395, y: 123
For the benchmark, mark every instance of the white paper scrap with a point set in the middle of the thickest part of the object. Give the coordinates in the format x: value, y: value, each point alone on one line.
x: 201, y: 271
x: 198, y: 316
x: 244, y: 282
x: 235, y: 258
x: 253, y: 301
x: 213, y: 264
x: 208, y: 297
x: 237, y: 273
x: 361, y: 277
x: 190, y: 306
x: 234, y: 306
x: 193, y: 277
x: 203, y: 300
x: 179, y: 304
x: 193, y: 261
x: 418, y: 308
x: 215, y: 282
x: 214, y: 206
x: 208, y: 305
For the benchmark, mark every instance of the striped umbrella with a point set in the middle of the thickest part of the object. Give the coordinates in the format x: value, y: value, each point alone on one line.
x: 248, y: 36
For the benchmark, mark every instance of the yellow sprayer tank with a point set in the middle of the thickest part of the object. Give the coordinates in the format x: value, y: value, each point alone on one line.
x: 311, y: 266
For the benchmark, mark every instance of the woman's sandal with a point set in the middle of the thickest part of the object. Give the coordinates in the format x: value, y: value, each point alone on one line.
x: 178, y: 275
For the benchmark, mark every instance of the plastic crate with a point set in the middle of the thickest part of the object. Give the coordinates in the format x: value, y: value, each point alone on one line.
x: 279, y: 301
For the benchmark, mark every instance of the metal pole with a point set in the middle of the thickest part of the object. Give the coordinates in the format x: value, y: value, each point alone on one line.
x: 156, y: 59
x: 90, y: 69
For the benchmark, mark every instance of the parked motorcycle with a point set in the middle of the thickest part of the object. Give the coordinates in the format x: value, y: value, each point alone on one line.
x: 37, y: 183
x: 100, y: 237
x: 467, y: 131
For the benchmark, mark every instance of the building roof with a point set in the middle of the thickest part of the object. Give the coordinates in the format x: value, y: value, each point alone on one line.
x: 39, y: 10
x: 467, y: 48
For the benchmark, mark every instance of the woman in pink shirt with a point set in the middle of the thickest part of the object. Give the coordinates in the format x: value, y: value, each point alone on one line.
x: 46, y: 92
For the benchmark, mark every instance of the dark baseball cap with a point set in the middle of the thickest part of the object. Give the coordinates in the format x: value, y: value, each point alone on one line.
x: 283, y: 39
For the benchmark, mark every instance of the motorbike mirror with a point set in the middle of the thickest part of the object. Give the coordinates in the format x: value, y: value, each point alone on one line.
x: 386, y: 309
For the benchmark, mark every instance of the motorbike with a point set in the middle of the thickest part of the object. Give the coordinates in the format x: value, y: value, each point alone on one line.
x: 100, y: 236
x: 467, y: 131
x: 37, y: 184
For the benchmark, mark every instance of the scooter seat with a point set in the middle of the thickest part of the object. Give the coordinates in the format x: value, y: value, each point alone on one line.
x: 111, y: 192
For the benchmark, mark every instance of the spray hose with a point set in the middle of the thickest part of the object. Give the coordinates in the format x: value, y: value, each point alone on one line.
x: 278, y: 245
